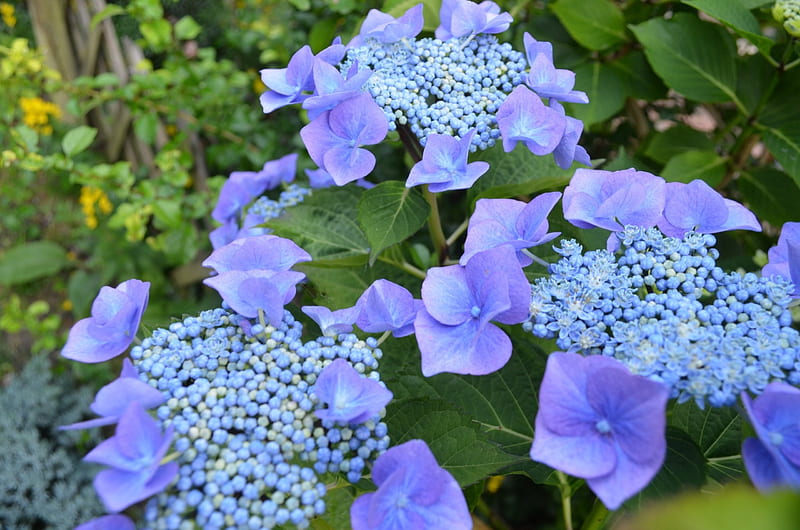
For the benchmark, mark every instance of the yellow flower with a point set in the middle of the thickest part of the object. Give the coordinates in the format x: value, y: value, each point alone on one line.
x: 37, y: 113
x: 93, y: 199
x: 7, y: 14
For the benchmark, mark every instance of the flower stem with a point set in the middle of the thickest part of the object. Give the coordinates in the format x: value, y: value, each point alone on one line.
x: 435, y: 225
x: 384, y: 336
x: 404, y: 266
x: 457, y: 233
x: 597, y: 517
x: 536, y: 258
x: 566, y: 500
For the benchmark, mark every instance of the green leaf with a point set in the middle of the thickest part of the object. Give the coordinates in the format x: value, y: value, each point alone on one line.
x: 157, y: 33
x: 187, y: 28
x: 145, y: 127
x: 519, y: 172
x: 323, y: 225
x: 684, y: 467
x: 693, y: 57
x: 167, y: 213
x: 676, y: 140
x: 695, y: 164
x: 606, y: 89
x: 337, y: 509
x: 595, y: 24
x: 638, y: 78
x: 390, y: 213
x: 737, y: 17
x: 780, y: 122
x: 78, y: 139
x: 771, y: 194
x: 31, y: 261
x: 738, y: 506
x: 454, y: 438
x: 108, y: 11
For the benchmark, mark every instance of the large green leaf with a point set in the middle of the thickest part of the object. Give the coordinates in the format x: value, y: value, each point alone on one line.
x: 31, y: 261
x: 693, y: 57
x: 454, y: 438
x: 606, y: 89
x: 519, y: 172
x: 695, y: 164
x: 639, y: 80
x: 595, y: 24
x: 389, y: 213
x: 325, y: 227
x: 678, y: 139
x: 337, y: 509
x: 736, y: 16
x: 780, y: 123
x: 771, y: 194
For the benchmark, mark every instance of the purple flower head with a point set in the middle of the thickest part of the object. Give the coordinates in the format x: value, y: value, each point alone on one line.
x: 613, y: 199
x: 222, y: 235
x: 773, y: 458
x: 568, y: 151
x: 462, y: 18
x: 522, y: 117
x: 444, y: 164
x: 454, y: 329
x: 108, y: 522
x: 134, y: 457
x: 386, y: 29
x: 331, y: 323
x: 268, y: 252
x: 319, y: 178
x: 111, y: 401
x: 497, y: 222
x: 248, y: 291
x: 332, y: 88
x: 116, y: 313
x: 292, y: 84
x: 335, y: 137
x: 696, y: 206
x: 598, y: 421
x: 385, y: 306
x: 784, y: 258
x: 350, y: 397
x: 533, y: 48
x: 276, y: 172
x: 413, y: 492
x: 551, y: 82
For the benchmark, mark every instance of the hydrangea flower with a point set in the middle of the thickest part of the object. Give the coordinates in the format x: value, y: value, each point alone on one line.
x: 350, y: 397
x: 598, y: 421
x: 784, y: 258
x: 384, y: 28
x: 498, y: 222
x: 697, y: 206
x: 524, y: 118
x: 544, y: 78
x: 332, y: 88
x: 267, y: 252
x: 454, y: 329
x: 385, y: 306
x: 772, y: 458
x: 444, y: 164
x: 134, y: 457
x: 113, y: 399
x: 568, y: 151
x: 335, y: 138
x: 116, y: 313
x: 108, y: 522
x: 413, y: 492
x: 462, y: 18
x: 331, y: 323
x: 613, y: 199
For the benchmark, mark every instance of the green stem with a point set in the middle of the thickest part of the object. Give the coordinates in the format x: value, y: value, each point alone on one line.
x: 457, y: 233
x: 597, y: 517
x: 404, y: 266
x: 384, y: 337
x: 435, y: 225
x: 566, y: 499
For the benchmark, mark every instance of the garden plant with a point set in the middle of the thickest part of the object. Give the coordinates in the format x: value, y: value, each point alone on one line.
x: 515, y: 265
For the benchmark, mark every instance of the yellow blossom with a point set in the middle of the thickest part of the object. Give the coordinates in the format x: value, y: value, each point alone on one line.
x: 93, y: 199
x: 37, y: 113
x: 7, y: 14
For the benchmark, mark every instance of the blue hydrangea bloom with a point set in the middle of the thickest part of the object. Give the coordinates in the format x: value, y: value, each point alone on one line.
x: 113, y: 399
x: 331, y: 323
x: 498, y: 222
x: 332, y: 87
x: 386, y: 306
x: 350, y: 397
x: 267, y: 252
x: 544, y: 78
x: 247, y: 292
x: 108, y: 522
x: 463, y: 18
x: 335, y: 138
x: 697, y: 206
x: 116, y: 313
x: 598, y: 421
x: 134, y: 457
x: 444, y: 164
x: 568, y: 151
x: 454, y: 329
x: 413, y: 492
x: 784, y: 258
x: 524, y: 118
x: 386, y: 29
x: 772, y: 458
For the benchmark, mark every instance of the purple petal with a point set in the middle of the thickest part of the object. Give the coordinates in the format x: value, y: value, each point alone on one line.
x: 447, y: 296
x: 108, y: 522
x: 524, y: 118
x: 267, y: 252
x: 762, y: 466
x: 349, y: 396
x: 120, y: 489
x: 564, y: 408
x: 626, y: 480
x: 346, y: 164
x: 332, y: 323
x: 359, y: 120
x: 499, y: 285
x: 531, y: 224
x: 384, y: 306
